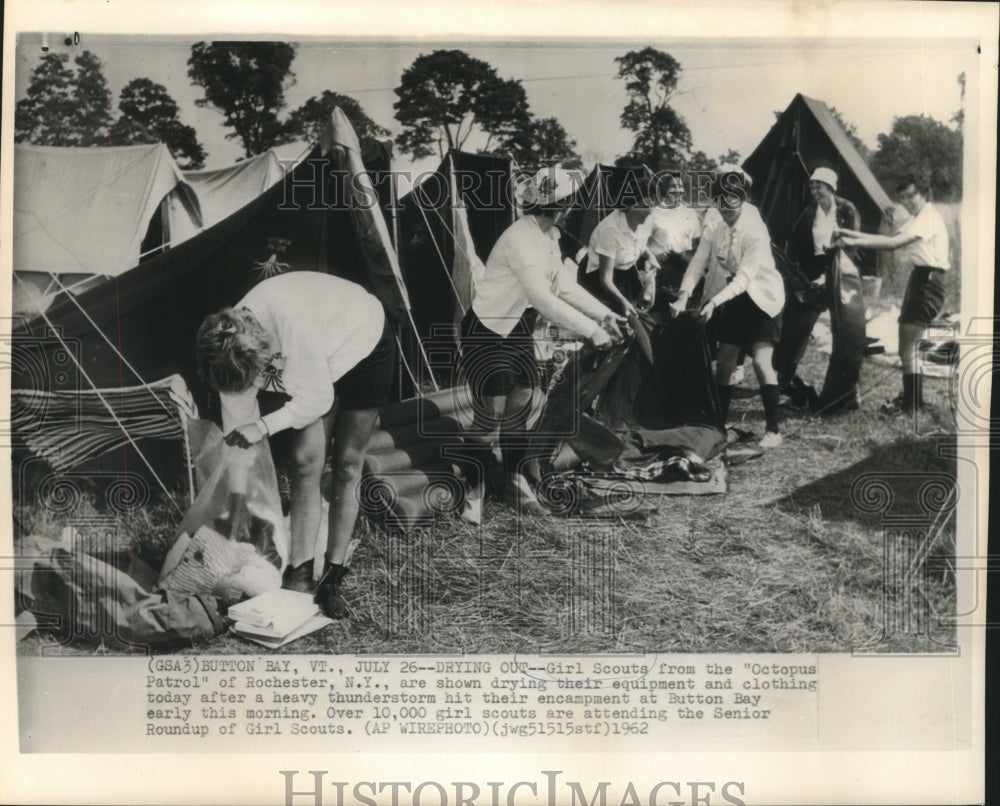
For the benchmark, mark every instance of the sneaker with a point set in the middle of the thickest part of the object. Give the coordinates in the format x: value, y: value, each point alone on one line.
x: 299, y: 578
x: 327, y: 594
x: 771, y: 439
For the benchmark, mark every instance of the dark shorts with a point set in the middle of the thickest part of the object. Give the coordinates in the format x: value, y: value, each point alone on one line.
x: 742, y: 323
x: 627, y: 282
x: 493, y: 364
x: 924, y: 296
x: 368, y: 385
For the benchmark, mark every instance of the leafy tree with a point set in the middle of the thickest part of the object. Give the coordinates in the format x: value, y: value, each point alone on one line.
x: 544, y: 142
x: 150, y: 115
x: 924, y: 147
x: 306, y: 122
x: 731, y: 157
x: 446, y: 96
x: 700, y: 161
x: 65, y: 106
x: 662, y: 138
x: 246, y: 82
x: 852, y: 134
x: 959, y: 117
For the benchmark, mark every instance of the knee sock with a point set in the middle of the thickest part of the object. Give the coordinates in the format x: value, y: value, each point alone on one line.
x: 769, y: 396
x: 512, y: 451
x: 725, y: 394
x: 913, y: 397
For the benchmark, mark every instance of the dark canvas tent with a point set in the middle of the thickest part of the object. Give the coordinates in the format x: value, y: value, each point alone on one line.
x: 806, y: 136
x: 140, y: 326
x: 448, y: 225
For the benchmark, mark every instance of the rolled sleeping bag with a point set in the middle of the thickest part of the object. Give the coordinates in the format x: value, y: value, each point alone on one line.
x: 407, y: 434
x: 425, y: 408
x: 416, y: 508
x: 404, y: 482
x: 412, y: 456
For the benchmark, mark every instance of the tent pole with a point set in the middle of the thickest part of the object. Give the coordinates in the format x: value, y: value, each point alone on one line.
x: 187, y: 457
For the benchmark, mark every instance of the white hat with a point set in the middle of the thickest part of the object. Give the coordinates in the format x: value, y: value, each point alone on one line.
x: 549, y: 185
x: 826, y: 176
x: 729, y: 168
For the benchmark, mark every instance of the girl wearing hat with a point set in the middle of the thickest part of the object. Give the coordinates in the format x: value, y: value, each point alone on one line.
x: 744, y: 291
x: 315, y: 338
x: 923, y: 243
x: 620, y: 269
x: 811, y: 249
x: 524, y: 276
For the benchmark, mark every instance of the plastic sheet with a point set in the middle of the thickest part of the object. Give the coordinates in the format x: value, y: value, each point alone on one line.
x: 238, y: 502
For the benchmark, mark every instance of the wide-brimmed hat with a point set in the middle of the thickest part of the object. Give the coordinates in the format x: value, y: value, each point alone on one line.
x: 826, y: 176
x: 549, y: 186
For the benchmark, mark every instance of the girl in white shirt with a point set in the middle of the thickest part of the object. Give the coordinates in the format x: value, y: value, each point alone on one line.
x: 744, y: 290
x: 524, y: 274
x: 923, y: 242
x: 316, y: 338
x: 621, y: 269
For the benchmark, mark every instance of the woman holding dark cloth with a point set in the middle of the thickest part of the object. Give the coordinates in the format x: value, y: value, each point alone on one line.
x: 319, y: 339
x: 923, y: 242
x: 744, y: 291
x: 620, y: 269
x: 811, y: 249
x: 524, y: 274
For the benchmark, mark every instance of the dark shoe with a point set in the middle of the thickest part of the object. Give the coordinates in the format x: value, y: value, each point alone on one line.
x: 299, y: 579
x: 327, y: 594
x: 897, y: 407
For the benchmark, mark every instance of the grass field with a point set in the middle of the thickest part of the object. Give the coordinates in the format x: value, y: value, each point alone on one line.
x: 789, y: 560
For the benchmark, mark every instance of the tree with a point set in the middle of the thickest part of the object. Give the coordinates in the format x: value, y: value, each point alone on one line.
x: 924, y: 147
x: 700, y: 161
x: 959, y: 117
x: 446, y: 96
x: 246, y: 82
x: 544, y: 142
x: 662, y: 138
x: 731, y: 157
x: 63, y: 106
x: 852, y: 134
x: 306, y: 122
x: 149, y: 115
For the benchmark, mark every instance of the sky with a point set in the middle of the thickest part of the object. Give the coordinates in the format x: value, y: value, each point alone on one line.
x: 727, y: 93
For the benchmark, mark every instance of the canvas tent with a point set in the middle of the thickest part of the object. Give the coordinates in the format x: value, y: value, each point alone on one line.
x: 81, y: 213
x: 223, y: 191
x: 448, y: 224
x: 141, y: 326
x: 806, y: 136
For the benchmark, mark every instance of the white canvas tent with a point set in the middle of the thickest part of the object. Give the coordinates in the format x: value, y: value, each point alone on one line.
x: 81, y: 213
x: 223, y: 191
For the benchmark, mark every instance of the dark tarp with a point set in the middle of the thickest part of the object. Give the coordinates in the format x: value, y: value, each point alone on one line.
x: 806, y: 136
x: 847, y: 324
x: 660, y: 383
